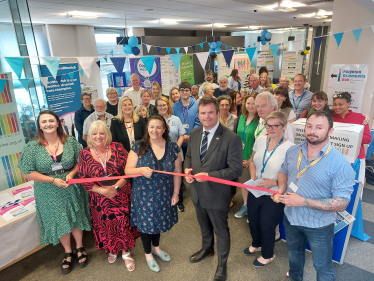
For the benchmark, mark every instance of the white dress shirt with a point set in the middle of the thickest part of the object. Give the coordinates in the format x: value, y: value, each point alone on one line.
x: 210, y: 135
x: 134, y: 96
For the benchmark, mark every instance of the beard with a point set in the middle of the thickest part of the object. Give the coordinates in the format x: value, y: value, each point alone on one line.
x: 100, y: 113
x: 223, y: 88
x: 318, y: 140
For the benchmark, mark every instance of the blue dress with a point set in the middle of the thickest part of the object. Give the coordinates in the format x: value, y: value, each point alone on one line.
x: 151, y: 210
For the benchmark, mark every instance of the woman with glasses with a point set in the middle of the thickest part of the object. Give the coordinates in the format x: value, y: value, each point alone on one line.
x: 112, y: 103
x: 343, y: 114
x: 267, y: 158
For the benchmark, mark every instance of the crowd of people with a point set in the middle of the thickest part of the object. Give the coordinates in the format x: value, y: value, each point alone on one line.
x: 233, y: 131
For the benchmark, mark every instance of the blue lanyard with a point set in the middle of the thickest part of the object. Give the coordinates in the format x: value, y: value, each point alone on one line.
x: 293, y: 99
x: 264, y: 163
x: 185, y: 115
x: 246, y: 128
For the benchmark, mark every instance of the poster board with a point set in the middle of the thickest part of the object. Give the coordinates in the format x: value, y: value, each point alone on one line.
x: 170, y: 76
x: 348, y: 78
x: 137, y: 66
x: 12, y: 139
x: 222, y: 68
x: 242, y: 64
x: 266, y: 59
x: 292, y: 64
x: 186, y: 69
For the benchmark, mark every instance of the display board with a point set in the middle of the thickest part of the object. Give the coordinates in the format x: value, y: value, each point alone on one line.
x: 242, y: 64
x: 349, y: 78
x: 137, y: 66
x: 186, y: 69
x: 12, y: 139
x: 266, y: 59
x: 222, y: 68
x: 292, y: 64
x: 170, y: 76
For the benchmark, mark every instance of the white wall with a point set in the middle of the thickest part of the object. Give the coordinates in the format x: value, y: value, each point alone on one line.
x: 348, y: 15
x: 76, y: 41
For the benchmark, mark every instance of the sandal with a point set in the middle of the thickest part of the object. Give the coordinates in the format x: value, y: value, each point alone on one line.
x: 126, y: 257
x: 112, y: 258
x: 81, y: 263
x: 67, y: 270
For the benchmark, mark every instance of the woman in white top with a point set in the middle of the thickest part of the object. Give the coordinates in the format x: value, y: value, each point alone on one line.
x: 263, y: 213
x: 284, y: 103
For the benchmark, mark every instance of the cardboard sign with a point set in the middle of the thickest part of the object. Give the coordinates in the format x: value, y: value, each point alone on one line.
x: 346, y: 138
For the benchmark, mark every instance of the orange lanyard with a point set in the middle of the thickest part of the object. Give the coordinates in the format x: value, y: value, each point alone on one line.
x: 311, y: 164
x: 221, y: 121
x: 130, y: 128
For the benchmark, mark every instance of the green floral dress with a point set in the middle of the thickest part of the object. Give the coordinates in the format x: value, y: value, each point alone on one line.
x: 59, y: 210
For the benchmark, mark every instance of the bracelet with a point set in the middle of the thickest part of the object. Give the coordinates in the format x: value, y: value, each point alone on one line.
x: 99, y: 190
x: 53, y: 180
x: 175, y: 193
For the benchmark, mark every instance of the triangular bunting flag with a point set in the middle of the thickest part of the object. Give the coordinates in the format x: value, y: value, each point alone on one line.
x: 209, y: 44
x: 111, y: 53
x: 52, y: 65
x: 176, y: 58
x: 357, y: 34
x: 44, y: 80
x: 297, y: 45
x: 203, y: 57
x: 186, y: 49
x: 2, y: 85
x: 372, y: 28
x: 81, y: 72
x: 317, y: 42
x: 158, y: 49
x: 251, y: 52
x: 226, y: 47
x: 148, y: 63
x: 232, y: 48
x: 58, y: 79
x: 238, y: 48
x: 106, y: 59
x: 16, y: 64
x: 228, y: 56
x: 71, y: 75
x: 274, y: 49
x: 148, y: 47
x: 86, y: 63
x: 98, y: 63
x: 193, y: 48
x: 25, y: 83
x: 177, y: 49
x: 338, y: 38
x: 168, y: 50
x: 118, y: 63
x: 201, y: 46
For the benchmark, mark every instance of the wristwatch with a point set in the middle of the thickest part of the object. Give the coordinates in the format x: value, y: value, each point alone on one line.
x: 117, y: 188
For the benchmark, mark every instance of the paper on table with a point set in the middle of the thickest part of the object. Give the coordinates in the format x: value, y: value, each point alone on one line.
x: 13, y: 211
x: 24, y: 192
x: 29, y: 204
x: 258, y: 193
x: 5, y: 198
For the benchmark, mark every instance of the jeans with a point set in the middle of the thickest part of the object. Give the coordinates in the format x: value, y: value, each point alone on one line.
x: 321, y: 243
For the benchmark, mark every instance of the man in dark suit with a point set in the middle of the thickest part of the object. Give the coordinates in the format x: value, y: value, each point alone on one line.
x: 213, y: 150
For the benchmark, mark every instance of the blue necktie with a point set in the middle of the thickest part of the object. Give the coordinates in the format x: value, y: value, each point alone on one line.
x: 204, y: 146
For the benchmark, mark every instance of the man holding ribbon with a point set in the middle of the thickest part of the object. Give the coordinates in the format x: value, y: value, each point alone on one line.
x: 212, y: 151
x: 316, y: 189
x: 300, y: 98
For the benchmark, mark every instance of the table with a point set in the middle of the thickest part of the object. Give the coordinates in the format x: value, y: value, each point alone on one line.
x: 20, y: 237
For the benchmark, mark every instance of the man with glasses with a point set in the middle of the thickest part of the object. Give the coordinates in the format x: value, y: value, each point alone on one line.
x: 98, y: 114
x: 81, y: 114
x: 208, y: 78
x: 112, y: 103
x: 300, y: 98
x: 186, y: 110
x: 134, y: 92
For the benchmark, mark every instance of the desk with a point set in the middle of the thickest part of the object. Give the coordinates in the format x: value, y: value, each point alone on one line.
x: 20, y: 236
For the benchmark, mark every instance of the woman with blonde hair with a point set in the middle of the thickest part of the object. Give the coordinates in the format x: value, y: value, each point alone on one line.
x: 142, y: 111
x: 146, y: 98
x: 156, y: 91
x: 127, y: 127
x: 110, y: 201
x: 112, y: 103
x: 264, y: 80
x: 174, y: 95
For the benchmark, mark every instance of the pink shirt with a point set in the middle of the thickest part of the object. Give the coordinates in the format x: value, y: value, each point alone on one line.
x: 356, y: 118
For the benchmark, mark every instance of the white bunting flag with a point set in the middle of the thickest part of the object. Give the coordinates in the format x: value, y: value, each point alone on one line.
x: 148, y: 47
x: 86, y: 63
x: 186, y: 49
x: 203, y: 57
x: 44, y: 81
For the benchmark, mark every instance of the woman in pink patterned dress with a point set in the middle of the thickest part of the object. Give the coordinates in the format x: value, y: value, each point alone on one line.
x: 110, y: 201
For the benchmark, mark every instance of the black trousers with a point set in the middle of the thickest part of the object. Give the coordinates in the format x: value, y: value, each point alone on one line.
x: 263, y: 215
x: 214, y: 221
x: 149, y: 240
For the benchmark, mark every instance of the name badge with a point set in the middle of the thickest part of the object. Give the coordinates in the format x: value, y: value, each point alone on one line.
x: 56, y: 167
x: 186, y: 126
x: 293, y: 187
x: 243, y: 145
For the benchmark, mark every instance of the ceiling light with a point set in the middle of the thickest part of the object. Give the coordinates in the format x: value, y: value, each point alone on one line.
x: 284, y: 9
x: 81, y: 15
x: 251, y: 27
x: 324, y: 13
x: 331, y: 19
x: 321, y: 17
x: 309, y: 15
x: 168, y: 22
x: 286, y: 6
x: 219, y: 25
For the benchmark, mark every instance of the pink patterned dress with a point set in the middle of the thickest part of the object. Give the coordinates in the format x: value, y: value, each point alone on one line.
x: 110, y: 217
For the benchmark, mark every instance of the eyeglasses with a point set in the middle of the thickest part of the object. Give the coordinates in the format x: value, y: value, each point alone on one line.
x: 162, y: 105
x: 272, y: 127
x: 112, y: 94
x: 87, y: 99
x: 184, y: 90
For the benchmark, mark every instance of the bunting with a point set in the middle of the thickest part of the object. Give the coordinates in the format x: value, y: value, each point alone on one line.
x: 148, y: 48
x: 226, y: 47
x: 297, y: 45
x: 228, y: 56
x: 176, y: 58
x: 338, y: 38
x: 202, y: 46
x: 44, y: 80
x: 193, y: 48
x: 251, y: 52
x: 71, y: 75
x: 86, y: 63
x: 118, y: 63
x: 186, y: 49
x: 52, y: 65
x: 274, y: 49
x: 58, y: 79
x: 317, y: 42
x: 25, y: 83
x: 81, y: 72
x: 98, y: 63
x: 158, y: 50
x: 168, y: 50
x: 16, y: 64
x: 148, y: 63
x: 177, y: 49
x: 203, y: 57
x: 357, y: 34
x: 2, y: 85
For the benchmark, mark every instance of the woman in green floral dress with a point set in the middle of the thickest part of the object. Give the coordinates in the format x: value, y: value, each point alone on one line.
x: 50, y: 160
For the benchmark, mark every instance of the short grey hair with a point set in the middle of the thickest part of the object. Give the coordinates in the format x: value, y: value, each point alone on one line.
x: 284, y: 78
x: 270, y: 98
x: 225, y: 97
x: 206, y: 86
x: 256, y: 76
x: 281, y: 116
x: 98, y: 99
x: 222, y: 78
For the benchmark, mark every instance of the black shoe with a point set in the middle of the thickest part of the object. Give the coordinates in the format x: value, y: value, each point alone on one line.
x: 221, y: 273
x: 68, y: 269
x: 202, y: 254
x: 181, y: 208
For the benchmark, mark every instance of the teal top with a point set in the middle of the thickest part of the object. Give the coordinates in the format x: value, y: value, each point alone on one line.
x: 249, y: 135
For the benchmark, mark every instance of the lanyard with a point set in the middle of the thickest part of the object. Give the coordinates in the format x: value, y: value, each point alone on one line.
x: 106, y: 157
x: 130, y: 128
x: 185, y: 115
x: 264, y: 163
x: 53, y: 153
x: 221, y: 121
x: 293, y: 99
x: 311, y: 164
x: 257, y: 131
x: 246, y: 128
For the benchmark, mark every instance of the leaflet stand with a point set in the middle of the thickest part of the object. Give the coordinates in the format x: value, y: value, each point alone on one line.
x: 342, y: 237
